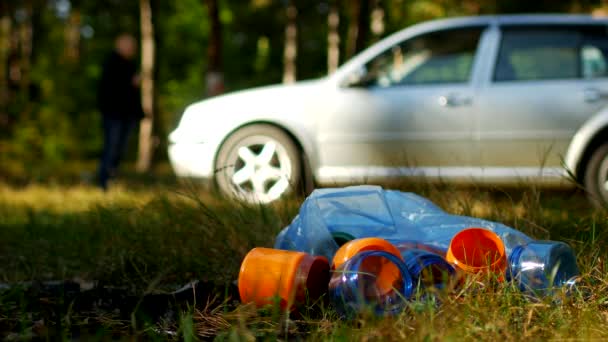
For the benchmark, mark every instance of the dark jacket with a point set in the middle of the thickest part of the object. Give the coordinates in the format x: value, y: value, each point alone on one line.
x: 118, y: 97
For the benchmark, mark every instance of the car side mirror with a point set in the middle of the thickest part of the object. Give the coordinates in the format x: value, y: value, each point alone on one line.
x: 357, y: 78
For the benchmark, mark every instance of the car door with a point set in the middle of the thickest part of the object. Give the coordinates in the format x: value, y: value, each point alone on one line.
x: 546, y: 81
x: 410, y: 111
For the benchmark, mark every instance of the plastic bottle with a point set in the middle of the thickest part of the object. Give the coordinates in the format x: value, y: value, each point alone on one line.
x: 428, y: 269
x: 478, y: 250
x: 541, y: 265
x: 351, y: 248
x: 330, y: 217
x: 378, y: 280
x: 268, y: 275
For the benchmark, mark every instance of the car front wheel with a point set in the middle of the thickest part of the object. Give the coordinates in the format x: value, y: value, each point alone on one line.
x: 596, y: 176
x: 258, y: 164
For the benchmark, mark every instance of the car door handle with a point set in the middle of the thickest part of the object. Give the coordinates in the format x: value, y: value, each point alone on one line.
x: 453, y: 100
x: 594, y: 95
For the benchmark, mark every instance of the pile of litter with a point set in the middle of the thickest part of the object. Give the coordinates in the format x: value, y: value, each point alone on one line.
x: 366, y: 247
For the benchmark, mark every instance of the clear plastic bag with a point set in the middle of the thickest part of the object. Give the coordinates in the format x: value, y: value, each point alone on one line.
x: 370, y: 211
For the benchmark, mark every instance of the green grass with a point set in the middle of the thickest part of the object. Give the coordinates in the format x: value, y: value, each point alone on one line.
x: 147, y: 238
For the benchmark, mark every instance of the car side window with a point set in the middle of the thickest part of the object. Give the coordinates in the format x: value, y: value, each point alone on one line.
x: 538, y: 54
x: 434, y: 58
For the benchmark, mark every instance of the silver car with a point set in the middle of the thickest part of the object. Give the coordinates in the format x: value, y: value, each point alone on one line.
x: 483, y: 99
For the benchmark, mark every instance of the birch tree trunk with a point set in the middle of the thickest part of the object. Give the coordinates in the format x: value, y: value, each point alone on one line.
x: 144, y: 158
x: 333, y: 38
x: 377, y: 20
x: 214, y: 79
x: 291, y: 45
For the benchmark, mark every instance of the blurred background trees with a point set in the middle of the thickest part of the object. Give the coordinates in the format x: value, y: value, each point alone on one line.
x: 51, y: 53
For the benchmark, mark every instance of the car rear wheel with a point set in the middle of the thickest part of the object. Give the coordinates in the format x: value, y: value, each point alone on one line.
x: 258, y: 164
x: 596, y: 176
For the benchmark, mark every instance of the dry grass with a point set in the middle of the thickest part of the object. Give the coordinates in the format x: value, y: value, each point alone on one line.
x: 166, y: 236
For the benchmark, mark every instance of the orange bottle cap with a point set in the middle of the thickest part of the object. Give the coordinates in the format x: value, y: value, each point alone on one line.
x: 476, y: 250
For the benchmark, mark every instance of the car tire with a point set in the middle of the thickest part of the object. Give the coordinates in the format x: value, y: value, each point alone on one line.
x: 596, y: 176
x: 258, y: 164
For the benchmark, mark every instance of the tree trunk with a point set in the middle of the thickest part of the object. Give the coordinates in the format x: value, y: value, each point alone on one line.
x: 72, y: 36
x: 358, y: 27
x: 144, y: 159
x: 333, y: 38
x: 291, y: 45
x: 214, y: 80
x: 377, y: 20
x: 5, y: 34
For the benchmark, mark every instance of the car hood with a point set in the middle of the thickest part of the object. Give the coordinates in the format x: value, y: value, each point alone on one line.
x: 283, y: 104
x: 262, y: 99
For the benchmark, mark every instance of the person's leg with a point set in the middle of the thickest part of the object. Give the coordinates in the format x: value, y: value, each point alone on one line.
x: 126, y: 128
x: 111, y: 132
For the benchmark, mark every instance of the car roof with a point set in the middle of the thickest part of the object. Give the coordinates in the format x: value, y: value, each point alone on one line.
x: 520, y: 19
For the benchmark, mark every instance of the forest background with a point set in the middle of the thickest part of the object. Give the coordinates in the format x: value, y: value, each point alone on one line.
x: 51, y: 53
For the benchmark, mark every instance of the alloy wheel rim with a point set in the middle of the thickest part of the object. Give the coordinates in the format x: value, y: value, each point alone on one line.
x: 262, y: 169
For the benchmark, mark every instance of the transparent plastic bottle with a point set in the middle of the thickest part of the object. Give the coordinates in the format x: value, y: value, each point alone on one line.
x: 428, y: 269
x: 539, y: 266
x: 376, y: 280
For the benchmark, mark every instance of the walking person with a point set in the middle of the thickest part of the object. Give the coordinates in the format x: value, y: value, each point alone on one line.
x: 119, y: 103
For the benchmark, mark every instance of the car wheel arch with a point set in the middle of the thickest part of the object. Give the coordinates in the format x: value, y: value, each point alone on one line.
x: 598, y: 138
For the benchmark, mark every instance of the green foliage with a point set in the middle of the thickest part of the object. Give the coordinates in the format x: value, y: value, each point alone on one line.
x: 56, y: 118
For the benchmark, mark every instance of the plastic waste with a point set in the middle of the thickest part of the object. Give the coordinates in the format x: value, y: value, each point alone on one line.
x: 478, y: 250
x: 541, y: 265
x: 414, y: 245
x: 370, y: 211
x: 268, y: 275
x: 373, y: 279
x: 428, y: 269
x: 349, y: 249
x: 331, y: 217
